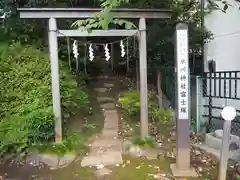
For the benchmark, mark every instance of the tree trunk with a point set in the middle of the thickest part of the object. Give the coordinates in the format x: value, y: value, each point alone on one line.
x: 160, y: 96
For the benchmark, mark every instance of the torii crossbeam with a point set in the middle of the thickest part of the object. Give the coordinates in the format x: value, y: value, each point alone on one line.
x: 80, y: 13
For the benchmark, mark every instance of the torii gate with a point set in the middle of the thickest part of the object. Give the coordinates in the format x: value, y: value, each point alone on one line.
x: 80, y: 13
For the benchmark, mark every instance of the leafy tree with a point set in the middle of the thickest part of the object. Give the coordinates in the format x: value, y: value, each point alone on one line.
x: 161, y: 44
x: 104, y: 18
x: 215, y: 5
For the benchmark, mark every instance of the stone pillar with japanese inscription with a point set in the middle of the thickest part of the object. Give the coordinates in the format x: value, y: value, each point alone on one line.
x: 183, y: 115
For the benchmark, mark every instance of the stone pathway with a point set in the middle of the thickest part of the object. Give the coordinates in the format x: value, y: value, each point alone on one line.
x: 53, y: 161
x: 105, y: 99
x: 106, y: 149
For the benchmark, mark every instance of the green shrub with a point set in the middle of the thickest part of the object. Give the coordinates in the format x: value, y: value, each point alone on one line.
x: 82, y: 78
x: 26, y: 114
x: 162, y: 115
x: 130, y: 101
x: 148, y: 141
x: 71, y: 143
x: 87, y: 125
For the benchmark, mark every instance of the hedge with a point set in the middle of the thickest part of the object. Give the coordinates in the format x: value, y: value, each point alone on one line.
x: 26, y: 114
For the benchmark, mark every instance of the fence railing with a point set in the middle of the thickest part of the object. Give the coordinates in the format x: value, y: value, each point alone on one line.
x: 168, y: 84
x: 213, y: 92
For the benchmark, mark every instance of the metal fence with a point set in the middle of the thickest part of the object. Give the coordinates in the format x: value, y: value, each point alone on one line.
x: 168, y: 84
x: 168, y: 87
x: 213, y: 92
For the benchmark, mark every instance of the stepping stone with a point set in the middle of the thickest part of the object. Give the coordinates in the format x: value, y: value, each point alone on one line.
x: 91, y: 160
x: 101, y: 151
x: 150, y: 154
x: 109, y: 85
x: 102, y: 172
x: 55, y: 162
x: 107, y: 143
x: 110, y: 115
x: 105, y: 99
x: 34, y: 159
x: 66, y: 160
x: 137, y: 151
x: 108, y: 106
x: 109, y: 133
x: 110, y: 112
x: 111, y: 124
x: 112, y: 158
x: 111, y: 120
x: 101, y: 90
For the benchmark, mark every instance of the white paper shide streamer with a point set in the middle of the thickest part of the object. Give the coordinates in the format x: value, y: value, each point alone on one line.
x: 122, y: 49
x: 91, y: 56
x: 75, y: 49
x: 107, y: 54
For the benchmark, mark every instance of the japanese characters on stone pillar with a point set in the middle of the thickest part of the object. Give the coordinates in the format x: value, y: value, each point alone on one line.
x: 182, y: 167
x: 183, y: 74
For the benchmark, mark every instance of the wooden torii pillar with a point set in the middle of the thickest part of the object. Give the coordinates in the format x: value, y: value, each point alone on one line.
x: 66, y: 13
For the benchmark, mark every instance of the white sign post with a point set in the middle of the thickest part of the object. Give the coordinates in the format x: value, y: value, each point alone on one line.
x: 182, y: 166
x: 182, y: 74
x: 228, y: 114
